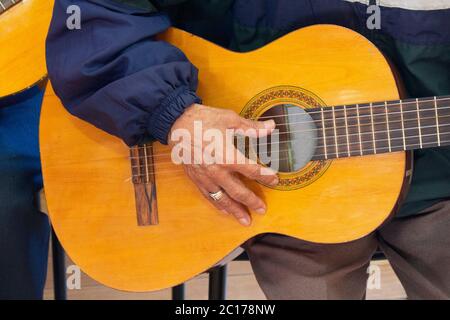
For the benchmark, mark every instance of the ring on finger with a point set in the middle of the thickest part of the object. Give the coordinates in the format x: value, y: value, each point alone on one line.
x: 216, y: 196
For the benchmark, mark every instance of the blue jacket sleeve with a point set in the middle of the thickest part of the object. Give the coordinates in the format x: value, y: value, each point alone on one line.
x: 113, y: 73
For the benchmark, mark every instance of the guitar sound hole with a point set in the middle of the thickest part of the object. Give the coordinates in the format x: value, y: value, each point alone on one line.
x: 293, y: 145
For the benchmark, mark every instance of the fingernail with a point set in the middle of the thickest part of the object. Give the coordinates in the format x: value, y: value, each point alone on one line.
x: 244, y: 221
x: 269, y: 124
x: 265, y: 171
x: 261, y: 210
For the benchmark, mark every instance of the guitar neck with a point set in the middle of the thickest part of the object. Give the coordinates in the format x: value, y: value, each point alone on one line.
x: 381, y: 127
x: 7, y: 4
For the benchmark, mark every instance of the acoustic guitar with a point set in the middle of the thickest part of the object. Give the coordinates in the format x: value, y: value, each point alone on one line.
x: 22, y: 41
x: 131, y: 218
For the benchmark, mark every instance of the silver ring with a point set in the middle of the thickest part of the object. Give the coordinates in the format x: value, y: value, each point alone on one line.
x: 216, y: 196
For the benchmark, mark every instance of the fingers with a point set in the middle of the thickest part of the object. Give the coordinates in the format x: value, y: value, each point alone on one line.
x: 228, y: 205
x: 251, y: 128
x: 211, y: 177
x: 237, y: 190
x: 240, y: 193
x: 257, y: 172
x: 225, y: 204
x: 250, y: 168
x: 255, y: 129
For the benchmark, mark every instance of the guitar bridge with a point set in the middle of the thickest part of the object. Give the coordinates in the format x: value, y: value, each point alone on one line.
x: 143, y: 177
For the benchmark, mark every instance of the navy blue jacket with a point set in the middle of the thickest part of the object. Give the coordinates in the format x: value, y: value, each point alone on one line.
x: 114, y: 74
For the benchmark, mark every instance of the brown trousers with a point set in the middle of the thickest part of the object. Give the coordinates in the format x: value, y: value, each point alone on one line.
x: 417, y: 247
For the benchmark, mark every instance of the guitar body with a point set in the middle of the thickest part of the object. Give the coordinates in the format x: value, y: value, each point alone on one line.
x: 22, y: 39
x: 91, y: 198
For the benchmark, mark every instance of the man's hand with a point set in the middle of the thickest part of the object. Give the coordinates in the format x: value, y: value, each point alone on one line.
x: 236, y: 198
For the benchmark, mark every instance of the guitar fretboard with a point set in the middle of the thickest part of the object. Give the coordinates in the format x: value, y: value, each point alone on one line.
x: 365, y: 129
x: 7, y: 4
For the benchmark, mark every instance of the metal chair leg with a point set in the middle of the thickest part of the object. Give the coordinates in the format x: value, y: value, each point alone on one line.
x: 179, y: 292
x: 59, y: 269
x: 218, y: 283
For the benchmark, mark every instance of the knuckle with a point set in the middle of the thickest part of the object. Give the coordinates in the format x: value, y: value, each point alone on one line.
x: 225, y: 203
x: 195, y: 169
x: 218, y: 173
x: 252, y: 201
x: 241, y: 194
x: 219, y: 204
x: 200, y: 173
x: 253, y: 171
x: 211, y: 170
x: 251, y: 124
x: 194, y: 178
x: 233, y: 117
x: 230, y: 113
x: 238, y: 214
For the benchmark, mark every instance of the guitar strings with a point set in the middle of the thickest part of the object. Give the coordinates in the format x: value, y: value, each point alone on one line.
x: 340, y: 144
x: 363, y: 107
x: 349, y: 126
x: 345, y: 144
x: 332, y: 110
x: 345, y: 154
x: 337, y: 146
x: 337, y: 136
x: 161, y: 172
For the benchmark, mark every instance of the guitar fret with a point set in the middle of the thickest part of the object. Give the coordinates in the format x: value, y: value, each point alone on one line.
x: 437, y: 122
x: 387, y: 125
x: 324, y: 135
x: 373, y: 129
x: 147, y: 176
x: 428, y: 126
x: 336, y: 144
x: 380, y: 128
x: 350, y: 134
x: 443, y: 111
x: 346, y: 131
x: 135, y: 164
x: 359, y: 130
x: 365, y: 121
x: 418, y: 122
x: 403, y: 125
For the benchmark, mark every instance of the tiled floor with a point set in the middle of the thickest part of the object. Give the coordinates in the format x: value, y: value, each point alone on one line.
x: 241, y: 285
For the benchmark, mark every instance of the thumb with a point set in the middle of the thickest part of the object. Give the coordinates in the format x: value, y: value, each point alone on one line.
x: 255, y: 129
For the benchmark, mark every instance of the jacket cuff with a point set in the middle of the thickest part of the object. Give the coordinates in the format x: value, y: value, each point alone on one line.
x: 169, y: 111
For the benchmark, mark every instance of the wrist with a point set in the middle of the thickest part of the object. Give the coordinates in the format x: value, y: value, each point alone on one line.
x: 169, y: 111
x: 185, y: 120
